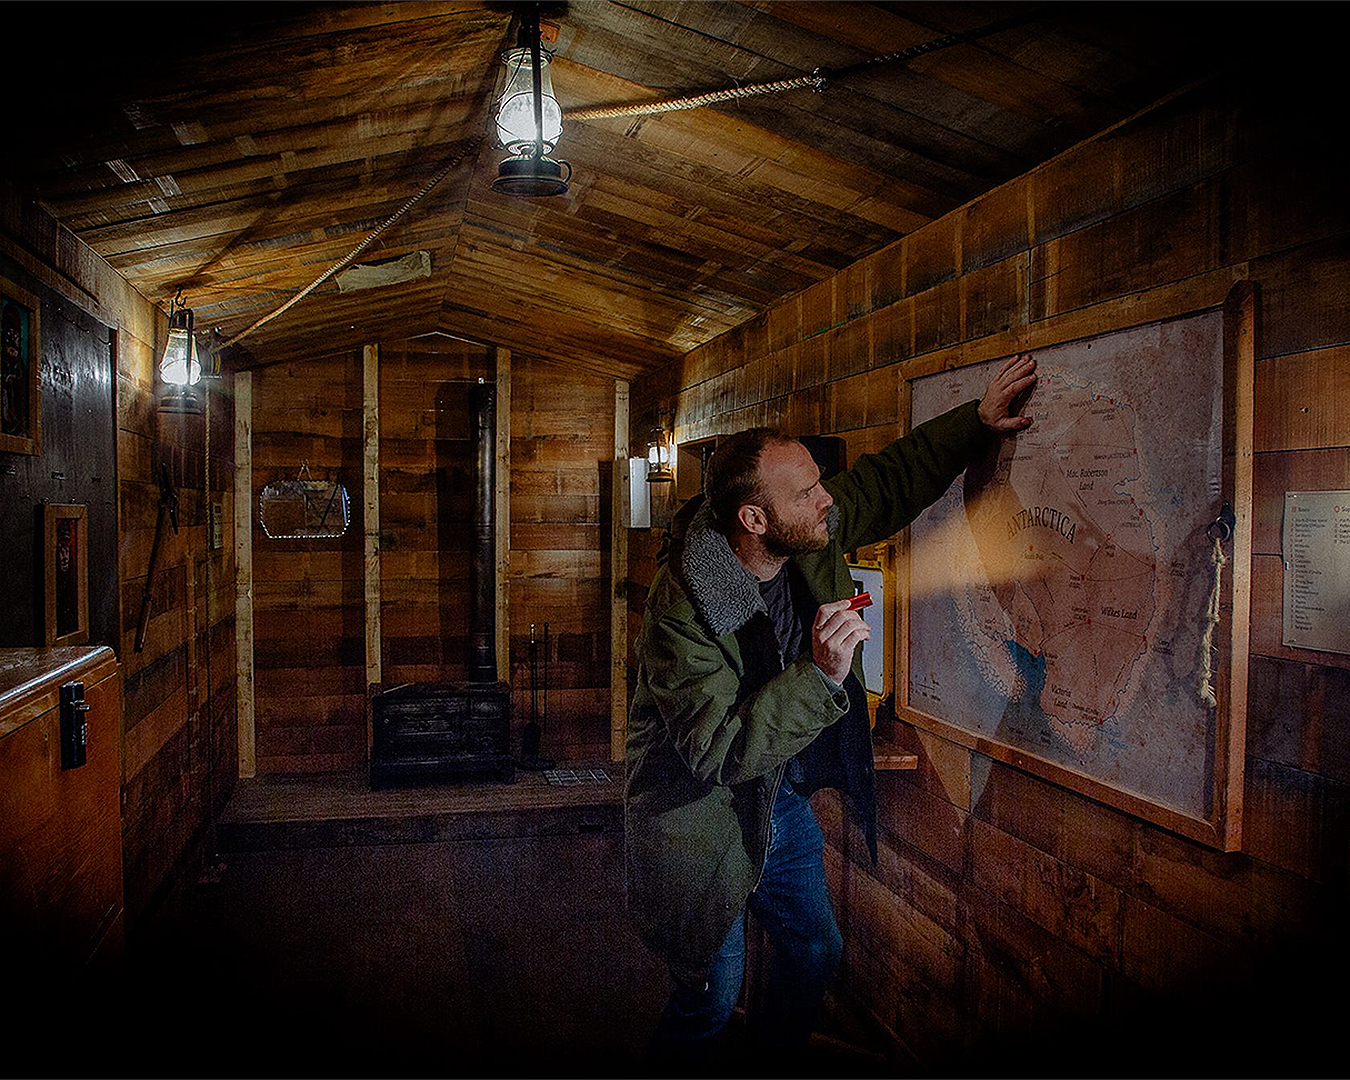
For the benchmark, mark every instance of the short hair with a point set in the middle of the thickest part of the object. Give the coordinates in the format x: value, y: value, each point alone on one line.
x: 732, y: 476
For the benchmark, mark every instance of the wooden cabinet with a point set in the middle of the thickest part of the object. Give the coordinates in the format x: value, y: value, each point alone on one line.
x: 60, y: 827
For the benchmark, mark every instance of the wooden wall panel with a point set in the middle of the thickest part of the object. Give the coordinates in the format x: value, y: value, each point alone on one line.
x: 310, y: 688
x: 427, y: 504
x: 179, y: 754
x: 1005, y: 912
x: 562, y: 452
x: 308, y: 595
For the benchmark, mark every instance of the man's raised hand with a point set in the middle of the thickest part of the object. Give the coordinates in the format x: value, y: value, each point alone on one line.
x: 1004, y: 396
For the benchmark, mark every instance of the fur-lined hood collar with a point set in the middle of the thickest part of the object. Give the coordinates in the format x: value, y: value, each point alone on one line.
x: 724, y: 593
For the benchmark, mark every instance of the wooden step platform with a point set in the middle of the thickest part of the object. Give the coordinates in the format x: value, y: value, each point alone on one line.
x: 270, y: 813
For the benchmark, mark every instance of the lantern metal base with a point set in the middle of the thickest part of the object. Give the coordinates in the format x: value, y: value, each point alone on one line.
x: 530, y: 175
x: 185, y: 400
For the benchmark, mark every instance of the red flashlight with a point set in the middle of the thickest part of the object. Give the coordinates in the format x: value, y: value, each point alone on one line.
x: 862, y: 600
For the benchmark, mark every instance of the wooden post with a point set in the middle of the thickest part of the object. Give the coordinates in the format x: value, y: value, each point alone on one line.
x: 370, y: 443
x: 618, y: 535
x: 1239, y: 387
x: 502, y: 536
x: 243, y: 561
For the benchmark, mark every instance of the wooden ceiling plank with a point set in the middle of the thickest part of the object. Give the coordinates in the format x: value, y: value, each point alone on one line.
x: 345, y: 206
x: 576, y: 341
x: 326, y: 66
x: 614, y: 294
x: 258, y: 130
x: 784, y: 261
x: 1054, y: 74
x: 228, y: 263
x: 872, y: 133
x: 389, y: 158
x: 738, y: 196
x: 914, y: 102
x: 653, y: 322
x: 341, y: 18
x: 700, y: 241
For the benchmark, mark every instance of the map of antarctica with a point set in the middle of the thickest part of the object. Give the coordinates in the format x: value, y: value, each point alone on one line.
x: 1058, y: 590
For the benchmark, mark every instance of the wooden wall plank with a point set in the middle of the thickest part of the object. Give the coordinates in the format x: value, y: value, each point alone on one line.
x: 370, y: 516
x: 1324, y: 469
x: 618, y: 563
x: 1303, y: 400
x: 243, y: 558
x: 501, y: 538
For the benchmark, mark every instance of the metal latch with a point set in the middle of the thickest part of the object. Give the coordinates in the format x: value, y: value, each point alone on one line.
x: 74, y: 727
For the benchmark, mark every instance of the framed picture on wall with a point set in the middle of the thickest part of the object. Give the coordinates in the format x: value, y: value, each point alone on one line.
x: 65, y: 556
x: 20, y: 367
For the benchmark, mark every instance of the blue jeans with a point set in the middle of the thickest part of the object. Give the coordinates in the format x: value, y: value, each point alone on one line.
x: 792, y: 904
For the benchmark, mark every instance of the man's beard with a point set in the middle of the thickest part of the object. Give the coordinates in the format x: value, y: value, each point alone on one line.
x: 782, y: 541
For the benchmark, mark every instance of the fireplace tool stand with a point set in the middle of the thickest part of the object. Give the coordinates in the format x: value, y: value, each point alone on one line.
x: 530, y: 734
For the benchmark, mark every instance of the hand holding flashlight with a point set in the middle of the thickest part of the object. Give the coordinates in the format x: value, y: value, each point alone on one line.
x: 835, y: 635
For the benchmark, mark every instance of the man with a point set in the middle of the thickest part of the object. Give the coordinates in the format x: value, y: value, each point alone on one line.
x: 749, y: 698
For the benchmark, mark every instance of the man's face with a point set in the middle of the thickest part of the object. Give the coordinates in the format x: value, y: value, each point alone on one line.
x: 795, y: 503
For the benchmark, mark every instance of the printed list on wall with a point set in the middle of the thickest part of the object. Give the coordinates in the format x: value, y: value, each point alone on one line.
x: 1316, y: 547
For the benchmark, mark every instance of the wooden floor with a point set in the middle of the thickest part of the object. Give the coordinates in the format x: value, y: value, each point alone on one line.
x: 473, y: 928
x: 470, y: 929
x: 267, y: 813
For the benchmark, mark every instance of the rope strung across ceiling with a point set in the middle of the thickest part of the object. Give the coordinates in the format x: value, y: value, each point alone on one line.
x: 817, y: 80
x: 379, y: 230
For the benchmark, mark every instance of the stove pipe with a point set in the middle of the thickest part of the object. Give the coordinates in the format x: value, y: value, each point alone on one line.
x: 483, y: 628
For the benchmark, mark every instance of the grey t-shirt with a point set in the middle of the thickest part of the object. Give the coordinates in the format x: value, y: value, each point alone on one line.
x: 787, y: 620
x: 791, y: 612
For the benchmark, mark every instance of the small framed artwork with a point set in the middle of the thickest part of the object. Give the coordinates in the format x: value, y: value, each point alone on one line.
x: 65, y: 554
x: 20, y: 367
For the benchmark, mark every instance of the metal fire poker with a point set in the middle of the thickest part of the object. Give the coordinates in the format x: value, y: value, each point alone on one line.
x: 530, y: 734
x: 168, y: 509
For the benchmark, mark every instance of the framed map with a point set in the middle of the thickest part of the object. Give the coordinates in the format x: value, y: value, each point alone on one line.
x: 1077, y: 603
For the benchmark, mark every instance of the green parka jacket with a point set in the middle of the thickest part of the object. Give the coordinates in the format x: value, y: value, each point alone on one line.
x: 716, y: 715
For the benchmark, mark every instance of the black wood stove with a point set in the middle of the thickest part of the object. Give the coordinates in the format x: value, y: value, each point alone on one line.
x: 432, y: 731
x: 437, y: 731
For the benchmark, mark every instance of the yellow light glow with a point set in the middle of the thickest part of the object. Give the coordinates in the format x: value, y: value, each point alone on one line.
x: 180, y: 364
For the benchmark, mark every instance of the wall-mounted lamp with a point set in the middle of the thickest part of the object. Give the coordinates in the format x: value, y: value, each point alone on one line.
x: 660, y: 467
x: 180, y: 364
x: 180, y: 367
x: 529, y: 119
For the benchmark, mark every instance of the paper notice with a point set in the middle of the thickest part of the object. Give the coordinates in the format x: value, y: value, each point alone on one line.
x: 1317, y: 570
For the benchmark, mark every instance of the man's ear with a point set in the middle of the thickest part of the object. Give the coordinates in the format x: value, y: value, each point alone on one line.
x: 753, y: 519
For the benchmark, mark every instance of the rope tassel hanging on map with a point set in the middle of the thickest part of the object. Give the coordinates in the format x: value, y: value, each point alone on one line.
x: 1219, y: 530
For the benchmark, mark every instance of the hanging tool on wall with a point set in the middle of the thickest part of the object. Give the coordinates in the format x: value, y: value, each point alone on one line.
x: 168, y: 508
x: 531, y: 733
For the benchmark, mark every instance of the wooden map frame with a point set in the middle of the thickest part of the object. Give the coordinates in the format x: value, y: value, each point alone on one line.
x: 1222, y: 827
